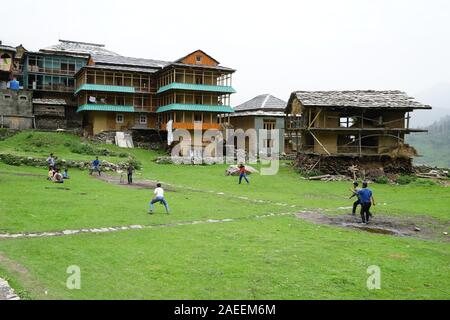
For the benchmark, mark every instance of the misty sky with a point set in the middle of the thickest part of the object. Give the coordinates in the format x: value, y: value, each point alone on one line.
x: 276, y: 46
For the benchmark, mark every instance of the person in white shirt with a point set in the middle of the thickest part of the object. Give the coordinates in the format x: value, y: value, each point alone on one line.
x: 159, y: 197
x: 51, y: 161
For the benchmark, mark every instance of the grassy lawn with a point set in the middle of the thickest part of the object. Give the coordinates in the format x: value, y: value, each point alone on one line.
x: 279, y: 257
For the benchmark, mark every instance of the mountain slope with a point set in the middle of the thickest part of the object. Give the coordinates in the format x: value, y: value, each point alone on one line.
x: 434, y: 146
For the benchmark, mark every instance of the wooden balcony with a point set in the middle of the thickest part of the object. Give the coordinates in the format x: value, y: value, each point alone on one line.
x: 191, y: 126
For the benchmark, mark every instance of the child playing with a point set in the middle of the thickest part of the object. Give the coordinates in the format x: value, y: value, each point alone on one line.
x: 243, y: 174
x: 159, y: 197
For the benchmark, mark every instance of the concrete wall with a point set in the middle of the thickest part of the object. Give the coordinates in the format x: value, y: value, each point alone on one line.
x: 106, y: 121
x: 16, y: 109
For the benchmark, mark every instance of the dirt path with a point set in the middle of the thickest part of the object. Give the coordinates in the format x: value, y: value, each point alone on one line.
x: 22, y: 274
x: 142, y: 184
x: 428, y: 228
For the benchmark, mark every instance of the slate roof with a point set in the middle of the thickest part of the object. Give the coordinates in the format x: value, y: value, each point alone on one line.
x: 358, y: 99
x: 128, y: 61
x: 123, y: 68
x: 74, y: 47
x: 7, y: 48
x: 265, y: 102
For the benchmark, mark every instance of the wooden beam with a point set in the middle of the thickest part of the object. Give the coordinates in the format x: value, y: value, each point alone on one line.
x: 320, y: 143
x: 315, y: 118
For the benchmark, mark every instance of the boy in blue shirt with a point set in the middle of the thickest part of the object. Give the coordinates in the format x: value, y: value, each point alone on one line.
x: 96, y: 166
x: 366, y: 198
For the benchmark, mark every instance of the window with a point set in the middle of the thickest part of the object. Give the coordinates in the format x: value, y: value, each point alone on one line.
x: 119, y: 118
x: 23, y: 98
x: 120, y: 101
x: 143, y: 119
x: 198, y: 59
x: 7, y: 97
x: 199, y: 80
x: 198, y: 117
x: 270, y: 124
x: 346, y: 122
x: 268, y: 143
x: 198, y: 100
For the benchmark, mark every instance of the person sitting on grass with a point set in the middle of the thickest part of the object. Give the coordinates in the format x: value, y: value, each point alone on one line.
x: 243, y: 174
x: 66, y: 174
x: 96, y: 167
x: 58, y: 177
x: 159, y: 197
x: 51, y: 173
x: 367, y: 200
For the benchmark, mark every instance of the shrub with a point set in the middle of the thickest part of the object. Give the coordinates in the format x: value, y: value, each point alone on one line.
x: 135, y: 163
x: 10, y: 160
x: 123, y: 155
x: 81, y: 148
x: 404, y: 180
x: 425, y: 182
x: 382, y: 180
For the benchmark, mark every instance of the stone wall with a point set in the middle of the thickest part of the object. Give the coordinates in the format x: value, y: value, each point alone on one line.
x: 16, y: 109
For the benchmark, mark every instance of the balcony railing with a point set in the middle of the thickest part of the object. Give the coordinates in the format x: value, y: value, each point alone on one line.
x: 53, y: 71
x: 52, y: 87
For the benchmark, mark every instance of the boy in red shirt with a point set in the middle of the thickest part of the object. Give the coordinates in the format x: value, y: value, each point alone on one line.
x: 243, y: 174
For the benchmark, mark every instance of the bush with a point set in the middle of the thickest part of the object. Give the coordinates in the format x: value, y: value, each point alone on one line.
x: 135, y: 163
x: 81, y: 148
x: 425, y: 182
x: 10, y: 160
x: 404, y: 180
x: 382, y: 180
x: 123, y: 155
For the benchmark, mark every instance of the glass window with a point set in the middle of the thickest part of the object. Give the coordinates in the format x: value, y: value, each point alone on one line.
x: 270, y: 124
x: 143, y: 119
x: 119, y: 118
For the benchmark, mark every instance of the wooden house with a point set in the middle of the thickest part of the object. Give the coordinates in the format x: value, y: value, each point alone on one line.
x: 354, y: 124
x: 121, y: 93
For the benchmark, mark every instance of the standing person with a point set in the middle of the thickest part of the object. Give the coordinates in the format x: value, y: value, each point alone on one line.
x: 367, y: 200
x: 96, y: 166
x: 355, y: 194
x: 243, y: 174
x: 51, y: 161
x: 130, y: 174
x: 159, y: 197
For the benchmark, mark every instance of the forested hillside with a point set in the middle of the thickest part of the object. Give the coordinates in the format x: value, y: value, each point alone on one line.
x: 434, y: 146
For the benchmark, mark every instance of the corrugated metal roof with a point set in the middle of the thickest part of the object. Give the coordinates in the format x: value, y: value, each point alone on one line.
x: 195, y: 107
x: 263, y: 102
x: 358, y: 99
x: 196, y: 87
x: 105, y: 108
x: 106, y: 88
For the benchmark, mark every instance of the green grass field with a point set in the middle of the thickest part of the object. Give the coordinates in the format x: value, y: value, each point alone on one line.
x: 245, y: 257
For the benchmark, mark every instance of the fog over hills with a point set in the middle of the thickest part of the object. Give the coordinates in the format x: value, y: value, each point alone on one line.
x: 439, y: 98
